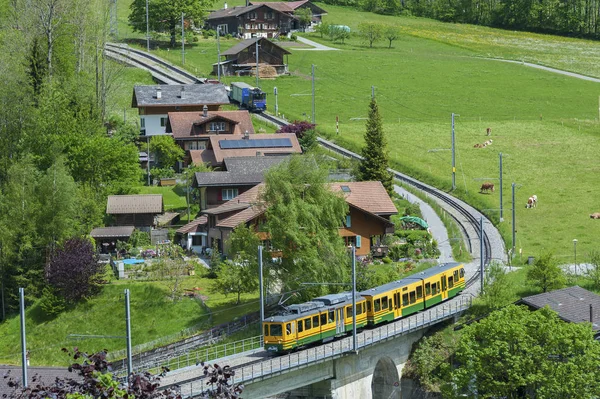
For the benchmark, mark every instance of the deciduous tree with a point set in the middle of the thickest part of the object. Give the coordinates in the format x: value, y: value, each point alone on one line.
x: 323, y: 28
x: 168, y: 152
x: 305, y: 16
x: 391, y: 33
x: 546, y: 273
x: 375, y: 162
x: 370, y: 32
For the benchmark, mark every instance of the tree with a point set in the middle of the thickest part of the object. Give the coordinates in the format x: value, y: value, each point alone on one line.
x: 171, y: 268
x: 323, y: 28
x: 305, y: 16
x: 391, y: 33
x: 304, y: 131
x: 546, y: 273
x: 374, y: 164
x: 73, y: 270
x: 516, y: 353
x: 495, y: 295
x: 167, y: 151
x: 302, y: 219
x: 165, y: 15
x: 189, y: 175
x: 370, y: 32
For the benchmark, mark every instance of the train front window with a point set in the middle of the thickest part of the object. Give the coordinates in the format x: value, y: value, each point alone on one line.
x: 266, y: 330
x: 276, y: 330
x: 462, y: 273
x: 288, y: 328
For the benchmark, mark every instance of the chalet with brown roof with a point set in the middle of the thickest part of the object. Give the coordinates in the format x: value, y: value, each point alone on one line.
x: 241, y: 58
x: 367, y: 220
x: 139, y: 210
x: 251, y: 21
x: 256, y: 145
x: 191, y: 130
x: 154, y: 102
x: 193, y: 236
x: 291, y: 7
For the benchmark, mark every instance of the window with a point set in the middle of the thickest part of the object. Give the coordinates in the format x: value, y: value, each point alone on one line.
x: 331, y: 316
x: 462, y: 273
x: 359, y: 308
x: 455, y: 275
x: 419, y: 292
x: 143, y: 123
x: 348, y: 221
x: 315, y: 321
x: 266, y: 330
x: 413, y: 297
x: 196, y: 145
x: 229, y: 193
x: 377, y: 305
x: 222, y: 29
x: 300, y: 329
x: 252, y: 15
x: 358, y: 241
x: 269, y: 15
x: 435, y: 289
x: 349, y: 312
x: 450, y: 282
x: 276, y: 330
x: 368, y: 306
x: 163, y: 122
x: 323, y: 319
x: 405, y: 300
x: 217, y: 127
x: 427, y: 289
x: 384, y: 303
x: 307, y: 324
x: 196, y: 240
x: 288, y: 328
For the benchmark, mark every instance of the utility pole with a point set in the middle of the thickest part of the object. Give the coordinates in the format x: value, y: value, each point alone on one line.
x: 453, y: 155
x: 313, y: 95
x: 182, y: 41
x: 2, y: 281
x: 188, y: 193
x: 23, y: 339
x: 276, y: 106
x: 257, y: 39
x: 501, y: 208
x: 514, y: 227
x: 147, y: 29
x: 218, y: 55
x: 148, y: 163
x: 128, y: 335
x: 260, y: 284
x: 481, y: 254
x: 354, y: 340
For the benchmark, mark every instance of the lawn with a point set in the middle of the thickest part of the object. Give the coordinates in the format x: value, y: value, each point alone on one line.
x: 173, y: 196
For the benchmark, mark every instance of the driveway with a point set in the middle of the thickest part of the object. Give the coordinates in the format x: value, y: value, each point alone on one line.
x: 316, y: 46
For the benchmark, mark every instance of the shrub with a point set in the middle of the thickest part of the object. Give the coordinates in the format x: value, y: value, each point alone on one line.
x: 294, y: 38
x: 139, y: 238
x: 162, y: 173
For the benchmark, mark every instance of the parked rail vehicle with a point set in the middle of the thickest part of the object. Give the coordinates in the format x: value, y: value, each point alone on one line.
x: 330, y: 316
x: 251, y: 98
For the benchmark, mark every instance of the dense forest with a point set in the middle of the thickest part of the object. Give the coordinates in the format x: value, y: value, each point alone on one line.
x: 58, y: 161
x: 563, y: 17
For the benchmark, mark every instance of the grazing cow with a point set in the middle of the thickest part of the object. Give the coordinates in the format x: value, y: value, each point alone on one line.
x: 595, y: 215
x: 487, y: 186
x: 488, y: 131
x: 532, y: 202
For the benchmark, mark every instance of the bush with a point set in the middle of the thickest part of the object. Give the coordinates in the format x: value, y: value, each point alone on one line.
x: 386, y: 260
x: 208, y: 33
x: 162, y: 173
x: 140, y: 238
x: 51, y: 303
x: 293, y: 37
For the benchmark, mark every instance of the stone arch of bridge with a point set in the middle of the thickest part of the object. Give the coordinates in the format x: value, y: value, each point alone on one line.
x: 386, y: 380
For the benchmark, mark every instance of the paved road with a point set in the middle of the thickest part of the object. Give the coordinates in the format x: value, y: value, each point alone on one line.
x: 316, y: 46
x: 549, y: 69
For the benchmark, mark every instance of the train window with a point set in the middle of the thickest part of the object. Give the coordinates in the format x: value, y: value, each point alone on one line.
x: 300, y: 329
x: 331, y: 316
x: 419, y: 292
x: 276, y: 330
x: 349, y: 312
x: 455, y: 275
x: 359, y: 308
x: 413, y: 297
x: 368, y: 305
x: 384, y: 302
x: 288, y: 328
x: 462, y: 273
x: 307, y: 324
x: 377, y: 305
x: 323, y: 319
x: 433, y: 289
x: 404, y: 299
x: 450, y: 282
x: 427, y: 289
x: 315, y: 321
x: 266, y: 329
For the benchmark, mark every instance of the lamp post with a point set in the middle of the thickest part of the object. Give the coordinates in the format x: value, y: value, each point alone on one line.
x: 575, y: 253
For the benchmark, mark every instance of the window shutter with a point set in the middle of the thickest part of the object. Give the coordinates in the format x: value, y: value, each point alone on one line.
x: 348, y: 221
x: 358, y: 241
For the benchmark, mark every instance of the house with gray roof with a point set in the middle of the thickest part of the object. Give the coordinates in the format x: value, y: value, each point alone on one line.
x: 154, y: 102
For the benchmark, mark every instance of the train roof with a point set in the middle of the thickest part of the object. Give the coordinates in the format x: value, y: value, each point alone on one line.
x: 315, y: 307
x: 432, y: 271
x: 242, y: 85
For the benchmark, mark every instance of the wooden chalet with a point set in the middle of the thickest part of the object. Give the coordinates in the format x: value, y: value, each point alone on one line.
x: 260, y: 20
x: 139, y: 211
x: 291, y: 7
x: 241, y: 58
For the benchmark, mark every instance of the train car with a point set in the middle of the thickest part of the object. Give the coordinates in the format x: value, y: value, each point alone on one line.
x: 330, y: 316
x: 320, y: 320
x: 251, y: 98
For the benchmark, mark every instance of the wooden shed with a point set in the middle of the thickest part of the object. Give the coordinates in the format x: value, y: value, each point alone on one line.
x: 241, y: 58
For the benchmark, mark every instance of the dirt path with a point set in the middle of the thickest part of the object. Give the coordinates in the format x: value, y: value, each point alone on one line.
x: 549, y: 69
x: 316, y: 46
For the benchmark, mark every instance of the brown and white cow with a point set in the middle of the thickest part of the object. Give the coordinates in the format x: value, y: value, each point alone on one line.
x: 595, y: 215
x: 487, y: 186
x: 532, y: 202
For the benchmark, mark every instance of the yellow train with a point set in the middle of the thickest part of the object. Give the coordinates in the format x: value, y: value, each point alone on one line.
x: 330, y: 316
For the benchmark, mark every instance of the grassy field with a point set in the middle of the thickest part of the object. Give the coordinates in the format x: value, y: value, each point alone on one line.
x: 173, y: 196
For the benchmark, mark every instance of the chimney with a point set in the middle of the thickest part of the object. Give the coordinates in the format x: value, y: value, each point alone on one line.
x: 225, y: 6
x: 205, y: 111
x: 182, y: 95
x: 158, y: 93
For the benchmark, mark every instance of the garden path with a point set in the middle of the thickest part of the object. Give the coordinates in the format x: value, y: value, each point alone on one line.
x: 316, y: 46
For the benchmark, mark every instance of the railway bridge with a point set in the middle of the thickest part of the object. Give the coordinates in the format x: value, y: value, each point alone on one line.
x: 331, y: 370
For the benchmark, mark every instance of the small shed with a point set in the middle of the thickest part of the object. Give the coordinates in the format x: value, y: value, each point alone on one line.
x: 106, y: 237
x: 135, y: 210
x: 241, y: 58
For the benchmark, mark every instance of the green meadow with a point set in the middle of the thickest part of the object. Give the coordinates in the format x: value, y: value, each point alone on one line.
x: 544, y: 123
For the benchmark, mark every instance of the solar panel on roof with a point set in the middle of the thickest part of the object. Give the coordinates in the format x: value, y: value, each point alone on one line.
x: 254, y: 143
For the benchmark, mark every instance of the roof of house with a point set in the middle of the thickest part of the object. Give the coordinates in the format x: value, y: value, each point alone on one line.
x: 141, y: 203
x: 193, y: 225
x: 369, y: 196
x: 171, y: 95
x: 239, y: 171
x: 203, y: 156
x: 288, y: 6
x: 572, y: 304
x: 239, y: 10
x: 247, y: 202
x: 244, y: 44
x: 182, y: 123
x: 112, y: 232
x: 280, y: 143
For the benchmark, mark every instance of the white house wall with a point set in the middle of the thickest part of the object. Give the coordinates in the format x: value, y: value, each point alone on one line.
x: 153, y: 127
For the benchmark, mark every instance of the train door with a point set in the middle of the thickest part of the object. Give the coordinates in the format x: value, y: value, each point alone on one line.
x: 397, y: 307
x: 339, y: 320
x: 444, y: 287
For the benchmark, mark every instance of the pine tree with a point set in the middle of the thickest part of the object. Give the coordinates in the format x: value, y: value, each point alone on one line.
x: 375, y: 161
